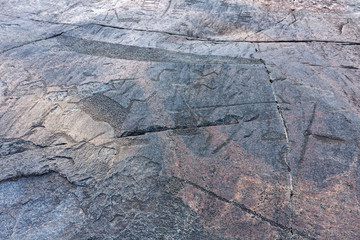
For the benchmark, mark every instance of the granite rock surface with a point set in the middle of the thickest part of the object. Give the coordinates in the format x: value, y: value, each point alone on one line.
x: 180, y: 119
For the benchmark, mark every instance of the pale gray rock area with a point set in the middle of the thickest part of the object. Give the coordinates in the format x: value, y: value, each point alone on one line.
x: 180, y: 119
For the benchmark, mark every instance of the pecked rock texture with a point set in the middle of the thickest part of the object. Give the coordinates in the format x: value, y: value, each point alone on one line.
x: 180, y: 119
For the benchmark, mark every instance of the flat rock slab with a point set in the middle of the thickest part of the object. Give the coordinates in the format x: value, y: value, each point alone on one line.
x: 179, y: 120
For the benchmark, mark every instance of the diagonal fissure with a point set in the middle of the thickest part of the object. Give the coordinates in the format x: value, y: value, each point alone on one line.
x: 244, y: 208
x: 37, y: 40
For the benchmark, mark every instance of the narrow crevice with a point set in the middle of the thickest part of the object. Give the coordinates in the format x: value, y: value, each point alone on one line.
x: 277, y: 41
x: 41, y: 21
x: 330, y: 66
x: 287, y: 147
x: 227, y: 120
x: 244, y: 208
x: 226, y: 41
x: 190, y: 38
x: 37, y: 40
x: 21, y: 175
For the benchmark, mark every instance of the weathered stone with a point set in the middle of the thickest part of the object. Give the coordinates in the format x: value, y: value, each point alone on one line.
x: 180, y: 119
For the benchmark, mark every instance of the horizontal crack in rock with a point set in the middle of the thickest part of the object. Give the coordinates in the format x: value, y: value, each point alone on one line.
x: 228, y: 41
x: 227, y: 120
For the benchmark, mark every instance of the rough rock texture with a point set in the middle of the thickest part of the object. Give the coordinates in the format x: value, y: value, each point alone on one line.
x: 180, y: 119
